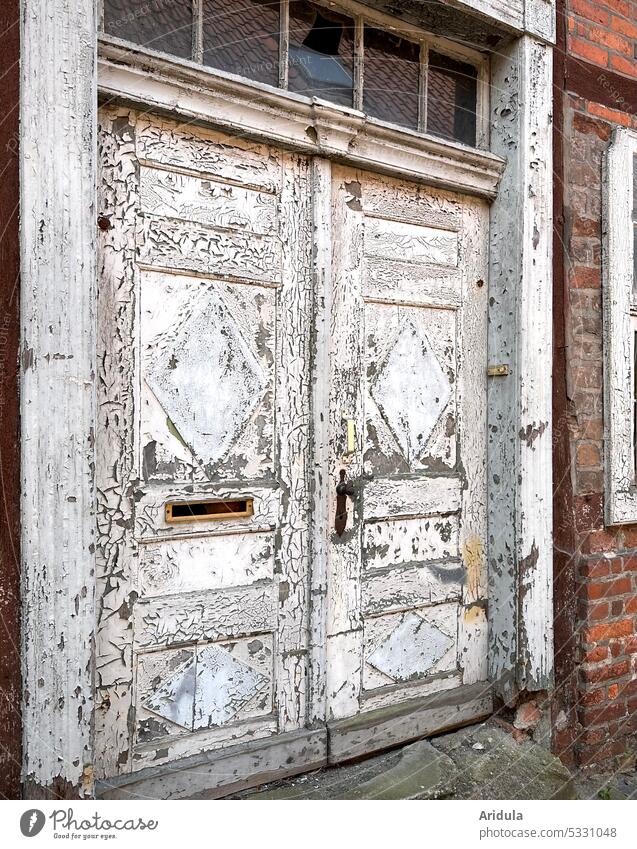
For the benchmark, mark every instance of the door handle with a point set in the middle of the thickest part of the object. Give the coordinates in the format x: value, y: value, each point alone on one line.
x: 343, y: 490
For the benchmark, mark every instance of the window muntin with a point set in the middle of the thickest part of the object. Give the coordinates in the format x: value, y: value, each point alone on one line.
x: 311, y: 48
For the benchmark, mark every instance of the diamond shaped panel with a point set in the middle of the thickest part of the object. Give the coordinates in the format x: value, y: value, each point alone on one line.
x: 411, y: 649
x: 411, y: 390
x: 224, y: 686
x: 207, y: 380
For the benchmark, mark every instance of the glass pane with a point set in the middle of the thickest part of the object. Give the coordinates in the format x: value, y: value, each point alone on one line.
x: 452, y: 94
x: 152, y: 23
x: 321, y: 62
x: 391, y: 70
x: 242, y: 37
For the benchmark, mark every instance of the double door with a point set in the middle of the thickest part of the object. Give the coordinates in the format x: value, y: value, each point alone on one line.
x: 291, y: 446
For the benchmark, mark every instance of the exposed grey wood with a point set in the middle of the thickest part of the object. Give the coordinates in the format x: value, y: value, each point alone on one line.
x: 386, y: 498
x: 404, y: 589
x: 390, y: 726
x: 220, y: 773
x: 520, y: 487
x: 57, y: 396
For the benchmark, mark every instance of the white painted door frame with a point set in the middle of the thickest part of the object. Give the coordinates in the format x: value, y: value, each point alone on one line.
x: 58, y: 250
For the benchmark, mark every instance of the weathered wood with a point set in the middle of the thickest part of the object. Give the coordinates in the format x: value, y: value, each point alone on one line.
x: 58, y: 229
x: 409, y: 541
x: 387, y: 498
x: 404, y: 589
x: 390, y: 726
x: 190, y: 565
x: 520, y: 486
x: 619, y: 327
x: 220, y: 773
x: 212, y: 615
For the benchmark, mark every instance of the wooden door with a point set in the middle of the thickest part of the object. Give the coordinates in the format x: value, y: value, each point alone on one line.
x: 406, y: 609
x: 203, y: 441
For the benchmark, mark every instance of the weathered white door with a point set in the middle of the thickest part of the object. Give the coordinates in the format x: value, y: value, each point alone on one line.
x: 406, y: 610
x: 211, y: 463
x: 203, y: 441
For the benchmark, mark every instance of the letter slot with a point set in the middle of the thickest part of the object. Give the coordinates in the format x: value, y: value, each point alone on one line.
x: 178, y: 512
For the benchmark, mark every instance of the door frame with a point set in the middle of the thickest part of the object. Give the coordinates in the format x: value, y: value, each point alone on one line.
x: 58, y: 404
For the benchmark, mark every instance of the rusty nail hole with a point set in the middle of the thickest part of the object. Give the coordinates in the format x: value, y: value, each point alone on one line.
x: 480, y: 284
x: 103, y: 222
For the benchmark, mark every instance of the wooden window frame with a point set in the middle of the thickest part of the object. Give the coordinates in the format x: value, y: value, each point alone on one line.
x: 620, y: 324
x: 361, y: 15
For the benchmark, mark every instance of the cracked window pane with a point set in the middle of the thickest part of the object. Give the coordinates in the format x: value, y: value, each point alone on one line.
x: 243, y: 38
x: 164, y: 25
x: 452, y: 95
x: 392, y: 69
x: 321, y: 53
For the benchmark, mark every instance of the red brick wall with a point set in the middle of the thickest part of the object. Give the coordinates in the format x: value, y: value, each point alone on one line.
x: 604, y: 32
x: 597, y: 728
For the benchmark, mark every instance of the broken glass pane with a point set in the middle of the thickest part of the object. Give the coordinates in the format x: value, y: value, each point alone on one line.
x: 243, y: 38
x: 452, y: 94
x: 321, y: 53
x: 392, y: 69
x: 164, y: 25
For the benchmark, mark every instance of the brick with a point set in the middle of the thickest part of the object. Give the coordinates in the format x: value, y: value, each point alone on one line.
x: 599, y: 541
x: 587, y: 376
x: 589, y: 511
x: 591, y: 11
x: 596, y: 754
x: 612, y: 40
x: 630, y: 541
x: 588, y: 453
x: 623, y: 26
x: 630, y: 605
x: 608, y: 630
x: 602, y: 715
x: 617, y: 607
x: 590, y: 428
x: 587, y: 125
x: 595, y: 735
x: 596, y: 655
x: 589, y: 481
x: 596, y: 55
x: 593, y: 697
x: 597, y: 674
x: 623, y: 66
x: 613, y: 691
x: 607, y: 589
x: 584, y: 277
x: 612, y: 115
x: 594, y: 568
x: 586, y: 227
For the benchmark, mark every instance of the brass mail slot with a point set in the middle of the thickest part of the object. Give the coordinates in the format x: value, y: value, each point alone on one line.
x: 208, y: 511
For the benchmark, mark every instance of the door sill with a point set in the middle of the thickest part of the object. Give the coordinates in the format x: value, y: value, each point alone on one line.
x: 225, y: 771
x: 384, y: 728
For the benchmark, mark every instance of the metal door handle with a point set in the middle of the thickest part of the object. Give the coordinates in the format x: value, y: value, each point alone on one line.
x: 343, y: 490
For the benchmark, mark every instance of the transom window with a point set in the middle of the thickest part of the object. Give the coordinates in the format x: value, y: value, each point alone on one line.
x: 355, y: 60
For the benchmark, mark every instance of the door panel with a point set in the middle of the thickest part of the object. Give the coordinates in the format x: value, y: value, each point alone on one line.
x: 407, y: 578
x: 204, y: 315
